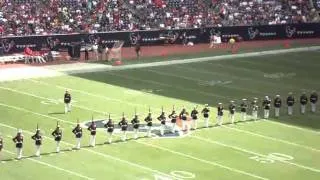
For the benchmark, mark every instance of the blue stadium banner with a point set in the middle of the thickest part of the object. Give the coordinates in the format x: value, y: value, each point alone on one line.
x: 159, y: 37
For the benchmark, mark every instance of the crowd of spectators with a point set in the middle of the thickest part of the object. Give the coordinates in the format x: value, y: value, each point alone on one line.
x: 41, y: 17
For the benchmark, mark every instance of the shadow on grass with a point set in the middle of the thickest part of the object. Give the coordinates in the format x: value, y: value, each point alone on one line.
x: 179, y: 88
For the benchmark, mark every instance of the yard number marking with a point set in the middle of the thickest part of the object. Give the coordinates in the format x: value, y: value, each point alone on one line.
x: 272, y: 157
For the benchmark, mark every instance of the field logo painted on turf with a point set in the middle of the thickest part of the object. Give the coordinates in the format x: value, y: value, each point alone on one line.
x: 155, y: 130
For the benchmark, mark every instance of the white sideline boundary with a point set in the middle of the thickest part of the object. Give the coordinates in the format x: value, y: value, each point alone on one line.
x: 11, y: 74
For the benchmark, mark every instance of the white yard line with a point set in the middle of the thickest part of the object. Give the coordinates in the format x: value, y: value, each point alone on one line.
x: 254, y: 153
x: 55, y: 167
x: 273, y: 139
x: 201, y: 160
x: 142, y: 167
x: 293, y: 127
x: 44, y: 98
x: 87, y: 93
x: 107, y: 156
x: 35, y: 113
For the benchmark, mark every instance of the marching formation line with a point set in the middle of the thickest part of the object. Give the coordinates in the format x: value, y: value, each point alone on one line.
x: 55, y: 167
x: 254, y: 153
x: 273, y: 139
x: 301, y: 166
x: 107, y: 156
x: 136, y: 104
x: 111, y: 157
x: 85, y: 108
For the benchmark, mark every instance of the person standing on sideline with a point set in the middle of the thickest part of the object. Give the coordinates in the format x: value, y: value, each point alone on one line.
x: 277, y: 105
x: 86, y: 53
x: 194, y: 116
x: 18, y: 140
x: 1, y: 144
x: 123, y: 124
x: 255, y: 108
x: 95, y: 48
x: 77, y: 131
x: 220, y: 114
x: 266, y: 104
x: 110, y: 127
x: 38, y: 141
x: 135, y: 123
x: 67, y: 102
x: 243, y: 109
x: 205, y: 111
x: 148, y: 120
x: 57, y: 134
x: 184, y: 119
x: 303, y: 102
x: 313, y: 101
x: 93, y: 132
x: 232, y: 111
x: 290, y: 103
x: 173, y: 116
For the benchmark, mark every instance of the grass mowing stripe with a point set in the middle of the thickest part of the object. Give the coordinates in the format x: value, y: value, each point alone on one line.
x: 28, y: 111
x: 273, y: 139
x: 55, y: 167
x: 198, y: 159
x: 103, y: 155
x: 201, y: 80
x: 87, y: 93
x: 202, y: 160
x: 102, y: 96
x: 49, y: 99
x: 255, y: 153
x: 229, y: 75
x: 166, y: 85
x: 294, y: 127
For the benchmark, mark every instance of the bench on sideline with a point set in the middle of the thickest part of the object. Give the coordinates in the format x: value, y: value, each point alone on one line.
x: 28, y: 59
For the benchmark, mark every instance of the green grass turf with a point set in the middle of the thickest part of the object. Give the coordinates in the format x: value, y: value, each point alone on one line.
x: 242, y: 151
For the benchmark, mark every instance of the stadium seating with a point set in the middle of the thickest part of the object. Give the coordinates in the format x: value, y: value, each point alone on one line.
x: 30, y: 17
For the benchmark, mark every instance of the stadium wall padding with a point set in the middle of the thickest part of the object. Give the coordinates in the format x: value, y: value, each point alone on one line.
x: 157, y: 37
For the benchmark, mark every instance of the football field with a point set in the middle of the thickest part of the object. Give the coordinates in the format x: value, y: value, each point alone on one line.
x: 277, y: 148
